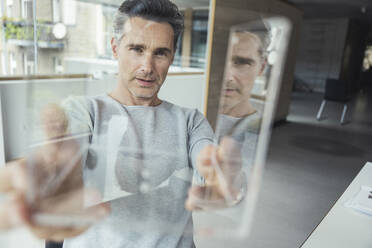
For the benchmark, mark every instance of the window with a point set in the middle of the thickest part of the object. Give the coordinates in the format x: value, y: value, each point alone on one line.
x: 26, y: 6
x: 3, y: 64
x: 69, y: 12
x: 56, y: 10
x: 199, y: 34
x: 58, y: 67
x: 28, y: 63
x: 9, y: 8
x: 199, y: 38
x: 108, y: 15
x: 13, y: 63
x: 1, y: 8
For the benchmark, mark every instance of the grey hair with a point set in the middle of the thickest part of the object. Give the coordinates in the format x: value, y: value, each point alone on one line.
x: 118, y: 24
x: 154, y: 10
x: 261, y: 30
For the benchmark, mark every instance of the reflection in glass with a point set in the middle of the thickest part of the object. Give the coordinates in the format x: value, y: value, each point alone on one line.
x: 254, y: 62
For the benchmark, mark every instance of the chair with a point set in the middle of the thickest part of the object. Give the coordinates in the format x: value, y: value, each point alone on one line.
x: 335, y: 91
x: 51, y: 244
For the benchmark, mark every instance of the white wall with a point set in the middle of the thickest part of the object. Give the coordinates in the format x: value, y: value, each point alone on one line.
x: 320, y: 51
x: 185, y: 90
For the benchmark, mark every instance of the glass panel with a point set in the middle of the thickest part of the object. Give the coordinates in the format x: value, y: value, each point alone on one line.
x: 85, y: 147
x: 252, y: 76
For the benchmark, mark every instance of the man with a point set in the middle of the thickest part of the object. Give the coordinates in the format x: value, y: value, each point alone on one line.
x: 144, y: 148
x: 239, y: 119
x: 246, y: 61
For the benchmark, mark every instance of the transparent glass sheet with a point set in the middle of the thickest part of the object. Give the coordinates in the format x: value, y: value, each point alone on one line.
x: 58, y: 135
x: 57, y: 129
x: 84, y: 151
x: 254, y: 62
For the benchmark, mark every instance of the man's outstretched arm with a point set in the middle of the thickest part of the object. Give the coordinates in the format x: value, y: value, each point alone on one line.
x: 225, y: 184
x: 60, y: 153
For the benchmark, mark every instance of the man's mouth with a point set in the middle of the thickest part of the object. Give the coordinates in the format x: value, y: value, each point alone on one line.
x: 145, y: 82
x: 230, y: 91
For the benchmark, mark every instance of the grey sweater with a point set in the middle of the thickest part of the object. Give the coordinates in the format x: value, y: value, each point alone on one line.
x: 142, y: 160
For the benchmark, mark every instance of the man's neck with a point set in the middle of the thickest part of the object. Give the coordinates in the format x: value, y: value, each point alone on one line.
x: 126, y: 98
x: 242, y: 109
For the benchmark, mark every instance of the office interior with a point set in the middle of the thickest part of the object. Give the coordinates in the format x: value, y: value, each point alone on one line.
x: 314, y: 152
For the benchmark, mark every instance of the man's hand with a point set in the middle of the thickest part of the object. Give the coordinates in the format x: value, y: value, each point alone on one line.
x: 221, y: 168
x: 47, y: 186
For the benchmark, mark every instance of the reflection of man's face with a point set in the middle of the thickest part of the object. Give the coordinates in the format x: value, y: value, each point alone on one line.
x: 369, y: 56
x: 244, y: 65
x: 144, y: 55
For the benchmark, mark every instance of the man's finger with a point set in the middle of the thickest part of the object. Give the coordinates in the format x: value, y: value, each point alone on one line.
x: 205, y: 162
x: 13, y: 212
x: 13, y: 176
x: 229, y: 152
x: 55, y: 121
x: 203, y: 198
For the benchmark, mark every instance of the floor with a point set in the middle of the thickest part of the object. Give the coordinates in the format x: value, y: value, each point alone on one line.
x: 310, y: 164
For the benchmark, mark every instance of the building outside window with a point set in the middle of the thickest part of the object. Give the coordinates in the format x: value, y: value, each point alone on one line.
x: 58, y: 67
x: 28, y: 63
x: 3, y: 69
x: 199, y: 38
x: 26, y: 9
x: 108, y: 15
x: 56, y: 5
x: 69, y: 12
x: 12, y: 63
x: 81, y: 43
x: 9, y: 8
x: 2, y: 8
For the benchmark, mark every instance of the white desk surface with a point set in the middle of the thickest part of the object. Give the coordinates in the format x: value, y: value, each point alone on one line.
x: 344, y: 227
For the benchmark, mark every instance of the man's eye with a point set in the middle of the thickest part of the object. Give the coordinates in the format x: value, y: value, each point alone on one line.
x: 136, y: 49
x: 241, y: 62
x: 161, y: 53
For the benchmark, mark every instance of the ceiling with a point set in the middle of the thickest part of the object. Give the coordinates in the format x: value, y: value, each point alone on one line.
x: 182, y: 4
x: 335, y: 8
x: 311, y: 8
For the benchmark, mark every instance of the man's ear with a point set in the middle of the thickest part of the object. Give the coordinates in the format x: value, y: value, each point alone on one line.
x: 172, y: 59
x: 114, y: 47
x: 264, y: 63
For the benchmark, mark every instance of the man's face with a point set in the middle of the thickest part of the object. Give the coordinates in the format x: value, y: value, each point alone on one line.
x: 244, y: 65
x: 144, y: 55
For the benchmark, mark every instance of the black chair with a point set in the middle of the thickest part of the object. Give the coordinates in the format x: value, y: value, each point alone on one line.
x: 335, y: 91
x: 51, y: 244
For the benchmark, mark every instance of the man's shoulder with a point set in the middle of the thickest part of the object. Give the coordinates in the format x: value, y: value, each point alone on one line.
x: 191, y: 115
x: 83, y: 101
x: 180, y: 109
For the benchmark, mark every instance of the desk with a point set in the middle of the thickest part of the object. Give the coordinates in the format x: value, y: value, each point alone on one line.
x: 343, y: 227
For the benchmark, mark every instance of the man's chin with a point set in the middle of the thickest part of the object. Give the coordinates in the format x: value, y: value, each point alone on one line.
x: 228, y: 102
x: 147, y: 95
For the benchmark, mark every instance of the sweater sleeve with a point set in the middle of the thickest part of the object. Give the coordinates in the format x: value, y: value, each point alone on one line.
x: 200, y: 135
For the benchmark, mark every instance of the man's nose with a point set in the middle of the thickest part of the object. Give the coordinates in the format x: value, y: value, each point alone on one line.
x: 147, y: 64
x: 229, y: 73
